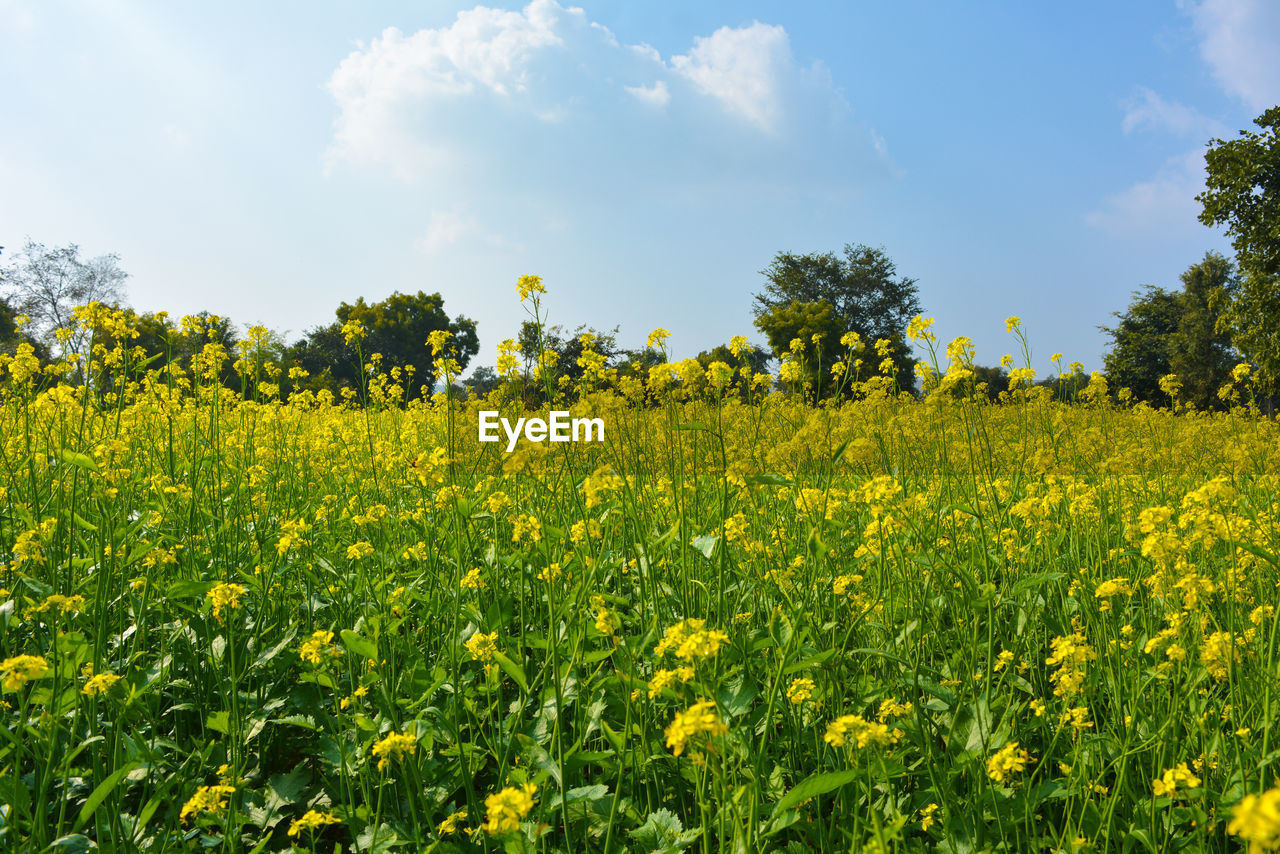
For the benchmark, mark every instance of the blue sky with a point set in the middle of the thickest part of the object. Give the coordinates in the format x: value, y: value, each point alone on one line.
x: 268, y: 161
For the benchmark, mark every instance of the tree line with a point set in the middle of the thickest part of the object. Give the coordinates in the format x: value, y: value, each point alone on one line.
x: 823, y: 316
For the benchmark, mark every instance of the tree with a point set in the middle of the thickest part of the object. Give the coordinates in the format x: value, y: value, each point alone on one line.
x: 1200, y: 352
x: 1170, y: 332
x: 48, y: 284
x: 483, y: 380
x: 1140, y: 344
x: 1243, y: 193
x: 751, y: 357
x: 864, y: 294
x: 397, y: 328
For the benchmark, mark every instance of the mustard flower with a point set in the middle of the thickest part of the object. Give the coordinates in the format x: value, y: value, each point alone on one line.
x: 312, y: 821
x: 507, y: 807
x: 225, y: 596
x: 1256, y: 820
x: 1007, y: 761
x: 210, y: 799
x: 394, y: 746
x: 17, y: 671
x: 701, y: 717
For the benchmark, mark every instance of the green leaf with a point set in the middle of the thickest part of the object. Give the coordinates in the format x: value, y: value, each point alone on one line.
x: 100, y: 793
x: 73, y: 844
x: 360, y: 645
x: 1040, y: 579
x: 515, y: 671
x: 83, y: 461
x: 814, y: 785
x: 706, y: 544
x: 663, y: 832
x: 767, y: 479
x: 219, y: 722
x: 188, y: 588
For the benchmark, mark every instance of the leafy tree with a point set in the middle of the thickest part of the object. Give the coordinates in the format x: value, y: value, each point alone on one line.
x: 1200, y: 352
x: 483, y: 380
x: 1141, y: 342
x: 1243, y: 193
x: 568, y: 348
x: 994, y: 379
x: 398, y: 328
x: 864, y: 293
x: 817, y: 330
x: 752, y: 357
x: 48, y: 284
x: 1176, y: 332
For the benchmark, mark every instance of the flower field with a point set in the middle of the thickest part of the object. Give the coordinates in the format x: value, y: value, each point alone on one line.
x: 744, y: 622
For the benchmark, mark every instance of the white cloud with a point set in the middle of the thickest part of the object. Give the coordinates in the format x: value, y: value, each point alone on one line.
x: 484, y: 49
x: 741, y: 68
x: 444, y: 229
x: 1164, y: 204
x: 1148, y: 111
x: 656, y: 95
x: 1240, y: 40
x: 448, y: 104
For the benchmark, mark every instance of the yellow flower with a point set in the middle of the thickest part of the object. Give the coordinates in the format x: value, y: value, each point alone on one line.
x: 17, y: 671
x: 926, y: 816
x: 800, y: 690
x: 701, y: 717
x: 1257, y: 821
x: 528, y: 285
x: 1007, y: 761
x: 482, y: 646
x: 210, y: 799
x: 394, y: 746
x: 690, y: 641
x: 473, y: 580
x: 64, y: 604
x: 864, y: 733
x: 1011, y: 323
x: 352, y: 331
x: 312, y: 821
x: 507, y: 807
x: 892, y: 708
x: 1070, y: 655
x: 359, y: 551
x: 657, y: 336
x: 225, y: 596
x: 319, y: 647
x: 450, y: 825
x: 1168, y: 784
x: 918, y: 328
x: 100, y: 683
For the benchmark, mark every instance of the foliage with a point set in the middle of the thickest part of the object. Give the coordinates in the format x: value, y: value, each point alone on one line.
x: 397, y: 328
x: 1141, y: 344
x: 863, y: 289
x: 1200, y: 351
x: 1166, y: 332
x: 1243, y: 193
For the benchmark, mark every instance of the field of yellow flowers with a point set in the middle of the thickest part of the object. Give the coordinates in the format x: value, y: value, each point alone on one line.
x: 744, y: 622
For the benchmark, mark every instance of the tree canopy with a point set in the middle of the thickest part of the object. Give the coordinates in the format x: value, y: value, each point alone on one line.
x: 1166, y: 332
x: 397, y: 328
x: 47, y: 285
x: 829, y: 295
x: 1243, y: 193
